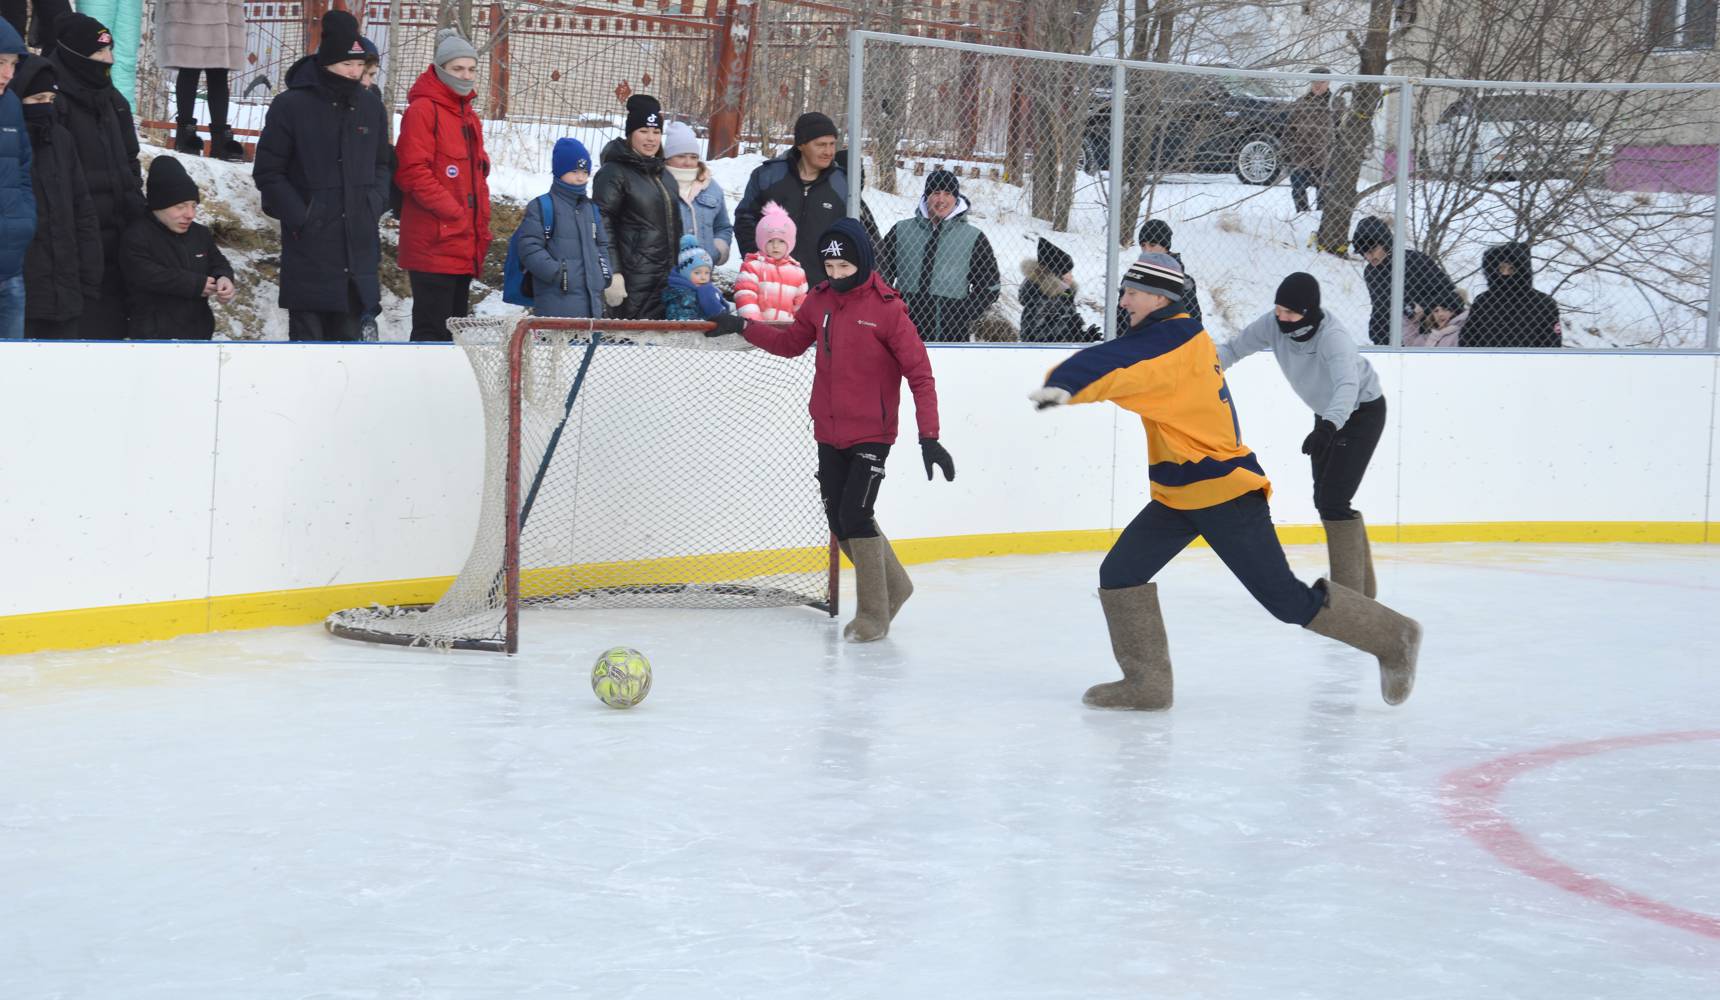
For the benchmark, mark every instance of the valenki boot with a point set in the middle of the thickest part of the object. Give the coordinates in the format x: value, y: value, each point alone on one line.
x: 871, y: 589
x: 1351, y: 558
x: 896, y: 578
x: 185, y: 138
x: 1138, y: 642
x: 1368, y: 625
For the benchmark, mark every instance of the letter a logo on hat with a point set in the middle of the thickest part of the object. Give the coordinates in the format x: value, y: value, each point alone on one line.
x: 834, y: 249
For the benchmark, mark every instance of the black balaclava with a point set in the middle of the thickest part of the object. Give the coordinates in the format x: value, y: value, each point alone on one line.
x: 846, y: 240
x: 1300, y: 292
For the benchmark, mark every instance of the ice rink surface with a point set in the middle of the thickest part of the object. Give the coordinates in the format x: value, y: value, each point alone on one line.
x: 280, y: 814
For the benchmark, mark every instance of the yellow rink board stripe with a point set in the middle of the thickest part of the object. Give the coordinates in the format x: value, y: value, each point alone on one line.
x: 86, y: 628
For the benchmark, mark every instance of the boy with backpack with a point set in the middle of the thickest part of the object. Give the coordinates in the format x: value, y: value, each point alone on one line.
x: 558, y: 259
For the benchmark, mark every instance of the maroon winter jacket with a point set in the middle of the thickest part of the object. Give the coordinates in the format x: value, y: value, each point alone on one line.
x: 866, y: 346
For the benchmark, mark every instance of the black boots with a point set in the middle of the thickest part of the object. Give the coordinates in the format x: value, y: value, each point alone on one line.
x: 186, y: 140
x: 222, y: 145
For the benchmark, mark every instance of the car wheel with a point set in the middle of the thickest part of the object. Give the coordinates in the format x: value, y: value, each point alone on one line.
x: 1258, y: 160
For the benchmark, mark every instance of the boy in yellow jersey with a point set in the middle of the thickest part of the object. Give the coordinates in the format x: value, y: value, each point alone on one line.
x: 1205, y: 483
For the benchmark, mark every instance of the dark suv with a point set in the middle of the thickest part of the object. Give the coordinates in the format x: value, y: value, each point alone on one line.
x: 1196, y: 124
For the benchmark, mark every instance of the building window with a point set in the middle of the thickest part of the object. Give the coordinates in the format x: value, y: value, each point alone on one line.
x: 1682, y: 24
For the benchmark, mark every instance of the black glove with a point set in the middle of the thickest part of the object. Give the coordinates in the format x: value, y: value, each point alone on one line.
x: 725, y: 323
x: 934, y: 454
x: 1320, y: 438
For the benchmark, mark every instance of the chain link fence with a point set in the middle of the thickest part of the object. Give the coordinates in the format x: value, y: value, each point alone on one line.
x: 1498, y: 216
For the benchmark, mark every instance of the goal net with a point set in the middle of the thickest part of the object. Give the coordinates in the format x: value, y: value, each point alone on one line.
x: 627, y: 465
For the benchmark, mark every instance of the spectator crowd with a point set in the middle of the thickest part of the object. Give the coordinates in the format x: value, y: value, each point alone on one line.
x: 89, y: 250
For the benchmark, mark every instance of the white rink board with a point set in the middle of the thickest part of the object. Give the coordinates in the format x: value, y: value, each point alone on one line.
x: 356, y: 463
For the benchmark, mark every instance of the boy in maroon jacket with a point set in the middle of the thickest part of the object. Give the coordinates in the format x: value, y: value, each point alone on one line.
x: 866, y: 346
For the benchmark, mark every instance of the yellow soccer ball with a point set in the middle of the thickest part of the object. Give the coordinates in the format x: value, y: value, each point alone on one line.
x: 621, y: 677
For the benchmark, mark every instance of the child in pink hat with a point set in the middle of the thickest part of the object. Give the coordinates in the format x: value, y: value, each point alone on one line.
x: 772, y: 284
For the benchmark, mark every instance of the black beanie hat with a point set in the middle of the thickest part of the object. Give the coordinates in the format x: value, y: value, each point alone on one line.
x: 643, y: 111
x: 942, y: 180
x: 340, y: 39
x: 1156, y: 232
x: 35, y: 76
x: 169, y: 184
x: 846, y: 239
x: 1053, y: 258
x: 1299, y: 293
x: 81, y: 34
x: 812, y: 125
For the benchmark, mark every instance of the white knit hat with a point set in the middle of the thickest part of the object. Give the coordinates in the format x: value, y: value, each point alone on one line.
x: 678, y: 138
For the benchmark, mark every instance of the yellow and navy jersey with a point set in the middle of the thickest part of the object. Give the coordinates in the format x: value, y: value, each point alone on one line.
x: 1168, y: 372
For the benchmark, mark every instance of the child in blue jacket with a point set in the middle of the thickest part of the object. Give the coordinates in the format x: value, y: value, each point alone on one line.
x: 570, y: 266
x: 691, y: 296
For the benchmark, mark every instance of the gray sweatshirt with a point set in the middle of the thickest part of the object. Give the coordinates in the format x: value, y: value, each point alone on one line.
x: 1326, y: 370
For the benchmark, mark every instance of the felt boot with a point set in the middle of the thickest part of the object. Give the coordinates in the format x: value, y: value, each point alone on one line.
x: 1368, y: 625
x: 186, y: 139
x: 1351, y: 558
x: 1139, y: 644
x: 871, y: 589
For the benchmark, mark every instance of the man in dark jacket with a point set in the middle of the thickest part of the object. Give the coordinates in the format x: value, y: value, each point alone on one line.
x: 63, y: 266
x: 806, y: 181
x: 322, y: 167
x: 1425, y: 283
x: 941, y: 263
x: 99, y: 120
x: 17, y: 194
x: 172, y: 265
x: 639, y: 204
x: 1511, y: 313
x: 1309, y: 133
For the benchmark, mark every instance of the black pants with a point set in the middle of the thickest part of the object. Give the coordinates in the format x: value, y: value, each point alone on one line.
x: 1302, y: 178
x: 104, y: 318
x: 1339, y: 469
x: 185, y: 95
x: 437, y: 298
x: 310, y: 325
x: 51, y: 329
x: 1239, y: 530
x: 848, y: 480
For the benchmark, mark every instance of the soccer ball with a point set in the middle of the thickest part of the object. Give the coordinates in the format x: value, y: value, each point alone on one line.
x: 621, y: 677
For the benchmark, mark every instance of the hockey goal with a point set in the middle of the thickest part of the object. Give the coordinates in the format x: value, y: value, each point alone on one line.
x: 627, y: 464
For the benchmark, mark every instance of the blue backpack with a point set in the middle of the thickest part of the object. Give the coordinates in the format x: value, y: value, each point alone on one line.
x: 517, y: 287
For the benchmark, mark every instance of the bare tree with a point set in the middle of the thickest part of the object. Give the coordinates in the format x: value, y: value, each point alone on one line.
x: 1055, y: 90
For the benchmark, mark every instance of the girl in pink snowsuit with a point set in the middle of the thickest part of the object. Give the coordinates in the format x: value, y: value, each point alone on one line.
x: 772, y: 284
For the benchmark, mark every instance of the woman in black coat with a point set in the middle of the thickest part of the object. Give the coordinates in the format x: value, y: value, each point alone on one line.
x: 98, y: 118
x: 63, y: 265
x: 640, y: 213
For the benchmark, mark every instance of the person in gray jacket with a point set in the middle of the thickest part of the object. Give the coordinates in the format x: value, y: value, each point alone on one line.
x: 570, y: 266
x: 1319, y: 357
x: 704, y: 208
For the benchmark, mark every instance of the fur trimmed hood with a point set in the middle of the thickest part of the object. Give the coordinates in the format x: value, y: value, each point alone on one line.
x: 1041, y: 276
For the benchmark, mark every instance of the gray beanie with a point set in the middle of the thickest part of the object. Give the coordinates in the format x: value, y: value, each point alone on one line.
x: 450, y: 46
x: 1158, y: 273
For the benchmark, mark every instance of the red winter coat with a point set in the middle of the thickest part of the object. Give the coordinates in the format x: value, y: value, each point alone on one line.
x: 444, y: 173
x: 866, y: 346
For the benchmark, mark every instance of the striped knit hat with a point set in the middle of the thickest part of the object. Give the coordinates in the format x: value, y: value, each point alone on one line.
x: 1158, y: 273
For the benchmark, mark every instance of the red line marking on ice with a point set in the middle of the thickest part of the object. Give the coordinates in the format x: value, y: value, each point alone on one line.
x: 1471, y: 800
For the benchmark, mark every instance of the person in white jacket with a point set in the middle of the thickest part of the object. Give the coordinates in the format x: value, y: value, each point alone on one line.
x: 1319, y: 357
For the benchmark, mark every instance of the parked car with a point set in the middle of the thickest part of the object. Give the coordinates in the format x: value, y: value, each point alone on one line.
x: 1511, y: 136
x: 1197, y: 124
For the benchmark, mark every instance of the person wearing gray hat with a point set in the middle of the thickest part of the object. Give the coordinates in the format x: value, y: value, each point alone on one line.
x: 941, y: 263
x: 1205, y: 484
x: 704, y: 207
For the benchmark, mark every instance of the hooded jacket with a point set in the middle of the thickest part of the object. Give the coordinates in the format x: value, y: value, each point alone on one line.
x: 1310, y: 131
x: 945, y: 270
x: 1424, y: 281
x: 63, y: 264
x: 322, y: 169
x: 1511, y: 313
x: 1048, y: 313
x: 770, y: 290
x: 443, y: 173
x: 570, y: 270
x: 866, y: 345
x: 638, y: 200
x: 100, y: 123
x: 814, y: 206
x: 17, y: 192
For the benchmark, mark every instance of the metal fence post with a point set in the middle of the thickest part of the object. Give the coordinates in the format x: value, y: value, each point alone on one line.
x: 1114, y: 220
x: 856, y: 127
x: 1713, y: 339
x: 1400, y: 222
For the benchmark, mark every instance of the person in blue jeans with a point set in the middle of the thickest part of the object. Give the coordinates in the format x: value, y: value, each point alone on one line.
x: 17, y: 195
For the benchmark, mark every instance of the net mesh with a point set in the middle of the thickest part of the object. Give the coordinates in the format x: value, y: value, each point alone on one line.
x: 682, y: 475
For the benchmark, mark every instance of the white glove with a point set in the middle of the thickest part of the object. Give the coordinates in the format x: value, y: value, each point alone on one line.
x: 1048, y: 396
x: 616, y: 293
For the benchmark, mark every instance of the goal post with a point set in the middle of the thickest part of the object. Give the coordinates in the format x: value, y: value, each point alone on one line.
x: 627, y: 464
